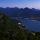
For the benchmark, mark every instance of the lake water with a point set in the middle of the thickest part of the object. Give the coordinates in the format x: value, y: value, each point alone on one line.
x: 32, y: 25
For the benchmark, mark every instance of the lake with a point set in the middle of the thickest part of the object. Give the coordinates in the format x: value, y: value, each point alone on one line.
x: 31, y: 25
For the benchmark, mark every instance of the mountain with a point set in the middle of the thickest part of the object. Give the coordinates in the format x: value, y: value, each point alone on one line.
x: 20, y: 12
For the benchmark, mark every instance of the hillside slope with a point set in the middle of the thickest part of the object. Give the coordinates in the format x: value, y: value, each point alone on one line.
x: 10, y: 30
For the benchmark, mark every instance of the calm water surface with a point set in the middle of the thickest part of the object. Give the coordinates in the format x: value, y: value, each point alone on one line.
x: 32, y: 25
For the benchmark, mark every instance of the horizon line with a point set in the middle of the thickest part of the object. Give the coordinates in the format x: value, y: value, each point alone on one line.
x: 20, y: 7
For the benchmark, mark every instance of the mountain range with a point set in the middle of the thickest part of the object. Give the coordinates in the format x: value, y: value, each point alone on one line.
x: 20, y: 12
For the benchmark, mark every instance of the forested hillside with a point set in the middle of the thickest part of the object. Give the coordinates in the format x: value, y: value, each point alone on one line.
x: 11, y: 31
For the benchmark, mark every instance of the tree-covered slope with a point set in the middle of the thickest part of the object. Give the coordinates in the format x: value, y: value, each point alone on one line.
x: 11, y: 31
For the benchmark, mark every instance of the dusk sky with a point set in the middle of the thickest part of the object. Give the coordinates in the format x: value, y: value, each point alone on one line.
x: 20, y: 3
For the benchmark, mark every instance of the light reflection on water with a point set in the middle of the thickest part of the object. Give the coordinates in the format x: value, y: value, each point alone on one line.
x: 32, y: 25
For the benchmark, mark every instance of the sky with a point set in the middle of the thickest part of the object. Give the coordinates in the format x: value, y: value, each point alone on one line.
x: 20, y: 3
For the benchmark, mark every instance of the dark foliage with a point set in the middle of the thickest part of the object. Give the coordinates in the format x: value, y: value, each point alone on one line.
x: 11, y: 31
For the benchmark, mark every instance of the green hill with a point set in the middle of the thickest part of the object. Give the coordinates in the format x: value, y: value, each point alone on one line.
x: 11, y: 31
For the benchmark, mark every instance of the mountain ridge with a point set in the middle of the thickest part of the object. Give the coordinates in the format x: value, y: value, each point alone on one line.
x: 20, y: 12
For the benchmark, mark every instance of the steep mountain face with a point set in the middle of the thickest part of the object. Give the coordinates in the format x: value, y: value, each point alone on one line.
x: 15, y: 12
